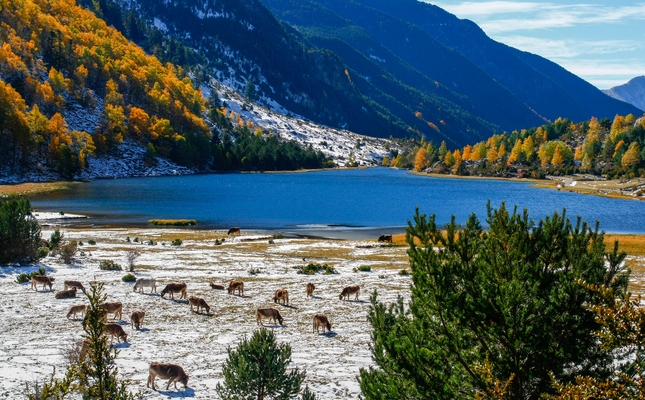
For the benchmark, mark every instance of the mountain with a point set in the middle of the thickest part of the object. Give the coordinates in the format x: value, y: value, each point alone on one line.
x: 632, y: 92
x: 510, y: 88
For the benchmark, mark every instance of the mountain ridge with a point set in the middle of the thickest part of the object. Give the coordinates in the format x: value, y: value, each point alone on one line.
x: 632, y: 92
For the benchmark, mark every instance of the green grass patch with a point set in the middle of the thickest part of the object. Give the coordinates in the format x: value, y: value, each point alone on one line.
x: 129, y: 278
x: 172, y: 222
x: 311, y: 269
x: 363, y: 268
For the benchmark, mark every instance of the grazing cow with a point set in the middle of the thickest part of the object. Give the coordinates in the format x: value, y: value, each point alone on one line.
x: 146, y: 282
x: 116, y: 330
x: 310, y: 289
x: 172, y: 372
x: 104, y: 315
x: 349, y: 290
x: 216, y: 286
x: 66, y: 294
x: 77, y: 309
x: 41, y: 280
x: 270, y: 313
x: 321, y: 320
x: 173, y: 288
x: 236, y: 285
x: 136, y: 319
x: 281, y: 294
x: 385, y: 238
x: 199, y: 303
x: 234, y: 231
x: 115, y: 308
x: 77, y: 284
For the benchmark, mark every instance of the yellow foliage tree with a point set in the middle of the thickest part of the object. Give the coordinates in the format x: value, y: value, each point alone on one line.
x: 557, y: 157
x: 139, y: 123
x: 528, y: 147
x: 515, y: 151
x: 631, y: 156
x: 420, y: 159
x: 491, y: 154
x: 467, y: 152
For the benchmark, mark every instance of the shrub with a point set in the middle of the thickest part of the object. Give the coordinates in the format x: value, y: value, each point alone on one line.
x: 43, y: 252
x: 363, y: 268
x: 278, y: 236
x: 136, y: 239
x: 68, y: 251
x: 22, y: 278
x: 315, y: 268
x: 176, y: 242
x: 151, y: 243
x: 109, y: 265
x: 404, y: 272
x: 129, y: 278
x: 91, y: 242
x: 55, y: 239
x: 80, y: 243
x: 255, y: 271
x: 19, y: 231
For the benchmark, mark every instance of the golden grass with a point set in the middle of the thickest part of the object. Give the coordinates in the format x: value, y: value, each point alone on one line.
x: 32, y: 188
x: 172, y: 222
x: 634, y: 245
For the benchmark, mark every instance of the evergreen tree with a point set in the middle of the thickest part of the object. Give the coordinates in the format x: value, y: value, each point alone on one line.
x: 249, y: 90
x: 497, y: 308
x: 19, y: 231
x: 257, y: 369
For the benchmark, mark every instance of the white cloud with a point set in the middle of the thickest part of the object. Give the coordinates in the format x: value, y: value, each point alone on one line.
x: 604, y: 74
x: 493, y: 16
x: 570, y: 48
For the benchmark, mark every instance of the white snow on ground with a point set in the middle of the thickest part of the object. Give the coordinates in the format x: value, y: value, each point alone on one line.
x: 35, y: 330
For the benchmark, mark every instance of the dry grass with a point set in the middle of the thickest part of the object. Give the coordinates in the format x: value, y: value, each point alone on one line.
x: 32, y: 188
x: 172, y: 222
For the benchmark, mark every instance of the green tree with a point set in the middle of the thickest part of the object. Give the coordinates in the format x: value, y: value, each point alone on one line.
x: 498, y: 306
x: 19, y: 231
x: 249, y: 90
x: 258, y: 370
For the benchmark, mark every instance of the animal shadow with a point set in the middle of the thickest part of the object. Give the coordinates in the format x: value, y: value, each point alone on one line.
x: 329, y: 334
x: 123, y: 345
x: 275, y: 326
x: 151, y: 294
x: 316, y: 297
x: 188, y: 392
x: 357, y: 301
x: 179, y: 301
x: 144, y: 330
x: 289, y: 306
x: 121, y: 322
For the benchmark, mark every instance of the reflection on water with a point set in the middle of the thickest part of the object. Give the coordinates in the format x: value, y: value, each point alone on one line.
x: 348, y: 203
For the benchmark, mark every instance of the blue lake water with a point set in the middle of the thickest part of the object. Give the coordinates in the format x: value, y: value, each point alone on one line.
x: 344, y: 203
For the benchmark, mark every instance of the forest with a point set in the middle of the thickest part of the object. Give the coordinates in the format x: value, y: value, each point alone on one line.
x: 614, y: 149
x: 57, y: 56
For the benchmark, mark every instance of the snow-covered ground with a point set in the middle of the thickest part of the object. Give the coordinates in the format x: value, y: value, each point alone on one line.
x: 335, y: 143
x: 36, y: 330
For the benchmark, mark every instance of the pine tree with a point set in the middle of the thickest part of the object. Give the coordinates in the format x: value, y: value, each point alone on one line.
x: 509, y: 297
x: 19, y: 231
x: 257, y: 369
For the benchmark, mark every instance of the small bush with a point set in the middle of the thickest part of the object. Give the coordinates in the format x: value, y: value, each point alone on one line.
x: 55, y: 239
x: 136, y: 239
x: 68, y: 251
x: 80, y: 243
x: 218, y: 242
x: 129, y: 278
x: 127, y: 239
x: 278, y: 236
x: 22, y: 278
x: 91, y: 242
x: 254, y: 271
x: 404, y: 272
x: 363, y: 268
x: 151, y: 243
x: 43, y: 252
x: 176, y: 242
x: 315, y: 268
x: 109, y: 265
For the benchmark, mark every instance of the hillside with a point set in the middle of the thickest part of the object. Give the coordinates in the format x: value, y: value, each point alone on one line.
x: 632, y: 92
x: 507, y: 87
x: 78, y: 100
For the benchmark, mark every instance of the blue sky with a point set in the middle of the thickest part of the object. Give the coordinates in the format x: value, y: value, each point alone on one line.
x: 602, y: 41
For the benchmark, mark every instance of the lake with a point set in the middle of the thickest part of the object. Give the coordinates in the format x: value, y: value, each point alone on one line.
x: 335, y: 203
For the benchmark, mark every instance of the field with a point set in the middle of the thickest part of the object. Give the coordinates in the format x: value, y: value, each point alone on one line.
x: 36, y: 332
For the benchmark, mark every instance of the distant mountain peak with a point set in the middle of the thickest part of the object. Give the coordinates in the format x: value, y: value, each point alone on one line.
x: 632, y: 92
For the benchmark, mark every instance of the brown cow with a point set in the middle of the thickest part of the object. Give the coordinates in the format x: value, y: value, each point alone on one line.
x: 310, y: 289
x: 236, y: 285
x: 116, y: 330
x: 115, y: 308
x: 385, y: 238
x: 270, y: 313
x: 172, y: 372
x: 216, y: 286
x: 198, y: 302
x: 66, y: 294
x: 173, y: 288
x: 41, y: 280
x: 234, y: 231
x: 77, y: 284
x: 136, y: 319
x: 349, y: 290
x: 281, y: 294
x: 77, y: 309
x: 321, y: 320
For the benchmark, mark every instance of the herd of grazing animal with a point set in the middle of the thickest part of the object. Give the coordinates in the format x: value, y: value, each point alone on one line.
x: 175, y: 373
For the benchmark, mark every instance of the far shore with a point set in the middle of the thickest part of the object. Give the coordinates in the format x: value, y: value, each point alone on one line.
x: 33, y: 188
